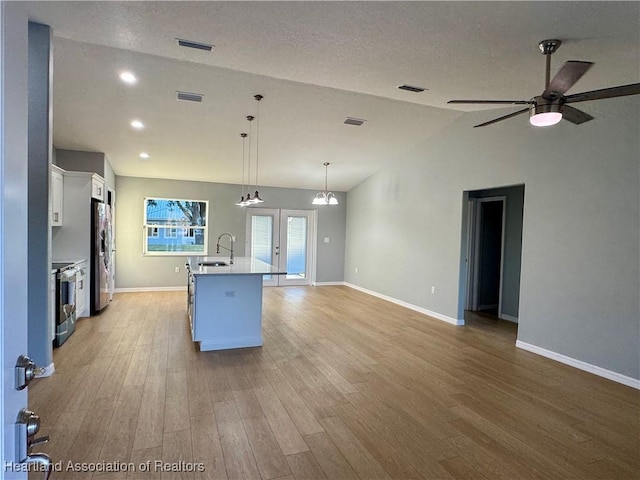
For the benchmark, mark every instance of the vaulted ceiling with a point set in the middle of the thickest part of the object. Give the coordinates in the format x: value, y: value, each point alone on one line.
x: 316, y: 63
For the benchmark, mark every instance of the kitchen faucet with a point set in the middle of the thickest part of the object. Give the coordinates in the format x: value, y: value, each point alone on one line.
x: 231, y: 238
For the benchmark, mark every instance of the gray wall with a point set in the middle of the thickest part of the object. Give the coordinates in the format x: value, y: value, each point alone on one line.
x: 80, y: 161
x: 133, y: 270
x: 580, y: 280
x: 40, y: 146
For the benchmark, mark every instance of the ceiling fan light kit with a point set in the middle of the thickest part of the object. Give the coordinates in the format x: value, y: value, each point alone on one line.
x: 551, y: 107
x: 545, y: 114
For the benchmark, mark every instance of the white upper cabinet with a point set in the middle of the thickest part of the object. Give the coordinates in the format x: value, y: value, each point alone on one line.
x: 98, y: 187
x: 57, y: 195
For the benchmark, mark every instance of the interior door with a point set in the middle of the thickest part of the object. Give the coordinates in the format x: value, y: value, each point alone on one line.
x: 283, y: 238
x: 13, y: 228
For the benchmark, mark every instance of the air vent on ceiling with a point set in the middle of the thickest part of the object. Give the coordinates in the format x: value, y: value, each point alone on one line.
x: 411, y: 88
x: 197, y: 45
x: 354, y: 121
x: 189, y: 97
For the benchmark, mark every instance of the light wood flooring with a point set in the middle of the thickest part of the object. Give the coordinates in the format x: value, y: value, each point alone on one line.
x: 346, y: 386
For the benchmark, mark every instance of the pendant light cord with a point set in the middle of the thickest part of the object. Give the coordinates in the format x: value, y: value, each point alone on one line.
x: 244, y: 138
x: 326, y: 176
x: 250, y: 118
x: 258, y: 98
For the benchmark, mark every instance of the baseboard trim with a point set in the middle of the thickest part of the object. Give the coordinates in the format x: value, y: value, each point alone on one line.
x: 493, y: 306
x: 509, y: 318
x: 245, y: 342
x: 410, y: 306
x: 46, y: 371
x: 150, y: 289
x: 327, y: 284
x: 587, y: 367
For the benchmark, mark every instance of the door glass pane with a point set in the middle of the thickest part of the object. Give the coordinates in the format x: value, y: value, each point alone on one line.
x: 297, y: 247
x: 262, y: 239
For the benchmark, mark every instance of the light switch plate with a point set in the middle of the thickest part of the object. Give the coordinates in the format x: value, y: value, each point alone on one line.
x: 326, y: 239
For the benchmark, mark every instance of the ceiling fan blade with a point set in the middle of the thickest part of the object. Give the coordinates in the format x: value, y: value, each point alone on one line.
x: 574, y: 115
x: 566, y: 77
x: 494, y: 102
x: 621, y: 91
x: 495, y: 120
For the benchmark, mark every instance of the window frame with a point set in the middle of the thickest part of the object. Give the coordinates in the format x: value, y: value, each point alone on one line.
x: 156, y: 231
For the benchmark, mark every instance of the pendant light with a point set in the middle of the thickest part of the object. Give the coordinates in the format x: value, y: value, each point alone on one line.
x: 241, y: 203
x: 248, y: 201
x: 256, y: 197
x: 326, y: 197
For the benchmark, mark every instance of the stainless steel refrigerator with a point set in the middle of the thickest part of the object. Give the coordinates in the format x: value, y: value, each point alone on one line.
x: 101, y: 246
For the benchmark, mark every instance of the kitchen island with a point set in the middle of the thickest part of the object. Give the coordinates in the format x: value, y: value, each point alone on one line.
x: 224, y: 301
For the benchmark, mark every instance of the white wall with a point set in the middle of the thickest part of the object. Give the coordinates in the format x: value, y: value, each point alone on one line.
x: 580, y: 282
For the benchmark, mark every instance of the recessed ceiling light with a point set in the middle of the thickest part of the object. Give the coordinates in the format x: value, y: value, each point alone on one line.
x: 128, y: 77
x: 144, y: 155
x: 137, y: 124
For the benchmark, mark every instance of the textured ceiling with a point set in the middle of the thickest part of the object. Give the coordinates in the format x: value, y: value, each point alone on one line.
x: 316, y: 63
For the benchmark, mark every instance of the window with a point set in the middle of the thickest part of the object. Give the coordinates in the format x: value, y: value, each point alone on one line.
x: 175, y: 226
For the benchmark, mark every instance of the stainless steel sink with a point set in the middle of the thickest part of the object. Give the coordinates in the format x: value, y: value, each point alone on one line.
x: 213, y: 264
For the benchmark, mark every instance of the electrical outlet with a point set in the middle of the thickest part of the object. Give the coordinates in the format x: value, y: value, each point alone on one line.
x: 433, y: 289
x: 230, y: 293
x: 326, y: 239
x: 177, y: 270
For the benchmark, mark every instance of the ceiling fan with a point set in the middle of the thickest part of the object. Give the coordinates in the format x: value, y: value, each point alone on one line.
x: 552, y: 106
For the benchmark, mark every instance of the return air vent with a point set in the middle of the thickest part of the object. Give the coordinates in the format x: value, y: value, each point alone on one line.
x: 189, y: 97
x: 354, y: 121
x: 197, y: 45
x: 411, y: 88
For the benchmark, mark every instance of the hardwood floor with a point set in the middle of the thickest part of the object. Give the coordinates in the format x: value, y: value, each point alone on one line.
x: 346, y: 386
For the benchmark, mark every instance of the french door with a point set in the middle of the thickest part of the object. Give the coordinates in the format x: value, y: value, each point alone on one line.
x: 284, y: 238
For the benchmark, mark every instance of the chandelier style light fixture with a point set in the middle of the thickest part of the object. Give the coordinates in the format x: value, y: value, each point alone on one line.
x: 326, y: 197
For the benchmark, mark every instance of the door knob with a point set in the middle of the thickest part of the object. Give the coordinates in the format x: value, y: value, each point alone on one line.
x: 26, y: 371
x: 27, y: 425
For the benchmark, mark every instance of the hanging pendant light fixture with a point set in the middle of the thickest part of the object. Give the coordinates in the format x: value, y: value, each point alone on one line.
x: 248, y: 201
x: 326, y: 197
x: 256, y: 197
x: 241, y: 203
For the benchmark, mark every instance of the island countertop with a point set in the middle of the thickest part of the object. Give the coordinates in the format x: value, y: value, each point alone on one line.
x: 241, y: 266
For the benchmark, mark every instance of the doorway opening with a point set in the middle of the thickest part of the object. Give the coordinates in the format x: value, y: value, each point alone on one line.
x: 492, y: 252
x: 285, y: 238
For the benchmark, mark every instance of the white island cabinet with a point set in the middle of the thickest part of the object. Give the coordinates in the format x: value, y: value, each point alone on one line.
x: 224, y: 302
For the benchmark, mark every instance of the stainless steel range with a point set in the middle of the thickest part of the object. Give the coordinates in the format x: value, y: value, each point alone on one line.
x: 65, y: 301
